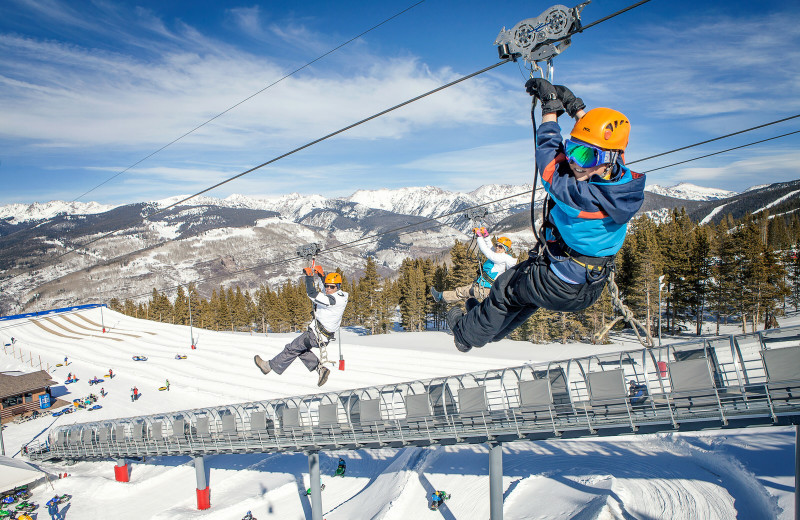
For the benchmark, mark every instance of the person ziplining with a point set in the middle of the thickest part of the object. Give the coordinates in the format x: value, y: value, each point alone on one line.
x: 498, y: 260
x: 591, y: 196
x: 328, y: 310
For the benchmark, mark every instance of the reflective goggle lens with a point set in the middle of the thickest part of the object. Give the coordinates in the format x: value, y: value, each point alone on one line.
x: 583, y: 155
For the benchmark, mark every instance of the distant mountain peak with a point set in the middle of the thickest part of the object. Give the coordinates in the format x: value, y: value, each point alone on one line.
x: 688, y: 191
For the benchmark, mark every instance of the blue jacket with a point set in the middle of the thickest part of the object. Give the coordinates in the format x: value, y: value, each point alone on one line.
x: 591, y: 216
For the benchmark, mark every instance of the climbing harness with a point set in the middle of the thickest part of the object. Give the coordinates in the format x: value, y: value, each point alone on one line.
x: 538, y: 40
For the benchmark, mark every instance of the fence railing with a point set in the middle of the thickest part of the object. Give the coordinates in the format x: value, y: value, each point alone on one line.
x: 738, y: 380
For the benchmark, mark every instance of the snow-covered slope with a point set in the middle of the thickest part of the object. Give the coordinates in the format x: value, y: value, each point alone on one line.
x: 682, y: 476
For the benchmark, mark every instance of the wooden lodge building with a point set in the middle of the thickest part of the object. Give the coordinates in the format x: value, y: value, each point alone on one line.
x: 19, y: 393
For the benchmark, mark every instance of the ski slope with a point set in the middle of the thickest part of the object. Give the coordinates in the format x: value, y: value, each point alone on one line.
x: 745, y: 474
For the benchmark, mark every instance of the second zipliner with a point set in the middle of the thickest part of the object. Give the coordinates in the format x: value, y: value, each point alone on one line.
x: 329, y: 305
x: 498, y: 260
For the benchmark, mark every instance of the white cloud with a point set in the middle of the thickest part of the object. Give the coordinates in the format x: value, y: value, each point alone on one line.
x: 84, y: 97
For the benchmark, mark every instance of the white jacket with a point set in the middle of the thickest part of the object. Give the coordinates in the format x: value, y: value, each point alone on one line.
x: 502, y: 261
x: 329, y: 309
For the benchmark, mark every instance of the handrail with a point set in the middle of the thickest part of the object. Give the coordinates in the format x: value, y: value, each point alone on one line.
x: 666, y: 410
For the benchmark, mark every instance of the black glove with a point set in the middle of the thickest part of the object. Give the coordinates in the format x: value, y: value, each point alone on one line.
x: 572, y: 104
x: 541, y: 89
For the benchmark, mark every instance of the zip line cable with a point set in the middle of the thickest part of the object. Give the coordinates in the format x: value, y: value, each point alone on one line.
x: 529, y: 191
x: 236, y: 105
x: 311, y: 143
x: 715, y: 139
x: 348, y: 245
x: 295, y: 71
x: 355, y: 242
x: 723, y: 151
x: 374, y: 116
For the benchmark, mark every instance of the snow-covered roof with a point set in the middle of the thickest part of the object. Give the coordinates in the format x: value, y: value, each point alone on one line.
x: 15, y: 473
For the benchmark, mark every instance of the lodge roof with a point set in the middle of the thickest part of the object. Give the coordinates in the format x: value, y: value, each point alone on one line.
x: 15, y: 384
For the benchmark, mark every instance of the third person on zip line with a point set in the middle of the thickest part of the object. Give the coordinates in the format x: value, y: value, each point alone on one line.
x: 327, y: 316
x: 498, y: 261
x: 591, y: 196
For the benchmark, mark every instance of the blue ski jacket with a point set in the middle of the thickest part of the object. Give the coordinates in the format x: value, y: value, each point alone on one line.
x: 591, y: 216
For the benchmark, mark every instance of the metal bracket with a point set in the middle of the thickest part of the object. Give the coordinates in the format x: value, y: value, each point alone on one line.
x: 541, y: 38
x: 476, y: 214
x: 308, y: 251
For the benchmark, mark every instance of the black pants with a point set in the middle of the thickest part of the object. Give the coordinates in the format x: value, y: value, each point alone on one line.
x: 517, y: 294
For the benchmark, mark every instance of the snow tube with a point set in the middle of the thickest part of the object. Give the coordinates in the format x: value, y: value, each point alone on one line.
x: 139, y: 358
x: 162, y: 388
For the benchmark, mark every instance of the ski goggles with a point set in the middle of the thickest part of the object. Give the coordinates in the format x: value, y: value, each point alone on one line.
x: 585, y: 155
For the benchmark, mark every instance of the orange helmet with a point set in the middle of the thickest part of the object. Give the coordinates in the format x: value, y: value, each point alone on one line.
x: 333, y: 278
x: 604, y: 128
x: 505, y: 242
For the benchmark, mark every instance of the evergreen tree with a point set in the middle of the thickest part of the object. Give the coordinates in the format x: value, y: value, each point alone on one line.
x: 369, y: 287
x: 464, y: 266
x: 698, y: 275
x: 181, y: 307
x: 412, y: 296
x: 724, y: 280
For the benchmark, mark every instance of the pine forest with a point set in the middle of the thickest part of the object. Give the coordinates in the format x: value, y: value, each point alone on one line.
x: 744, y: 271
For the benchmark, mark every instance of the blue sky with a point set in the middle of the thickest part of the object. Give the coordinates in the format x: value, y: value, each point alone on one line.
x: 88, y: 88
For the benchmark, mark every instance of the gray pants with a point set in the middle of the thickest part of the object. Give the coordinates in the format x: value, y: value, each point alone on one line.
x: 300, y: 347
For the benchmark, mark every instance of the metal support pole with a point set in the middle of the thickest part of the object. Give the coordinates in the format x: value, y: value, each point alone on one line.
x: 2, y: 445
x: 660, y: 287
x: 203, y: 489
x: 191, y: 330
x: 314, y: 484
x: 797, y: 472
x: 495, y: 481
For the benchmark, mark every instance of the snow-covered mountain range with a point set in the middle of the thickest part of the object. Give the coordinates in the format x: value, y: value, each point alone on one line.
x: 687, y: 191
x: 250, y: 241
x: 423, y: 201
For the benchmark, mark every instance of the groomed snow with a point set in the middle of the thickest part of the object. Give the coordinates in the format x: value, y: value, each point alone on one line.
x: 746, y: 474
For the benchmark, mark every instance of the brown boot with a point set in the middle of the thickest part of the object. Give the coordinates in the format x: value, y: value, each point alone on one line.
x: 323, y: 375
x: 262, y: 365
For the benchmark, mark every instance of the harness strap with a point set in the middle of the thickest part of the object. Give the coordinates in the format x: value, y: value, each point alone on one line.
x: 591, y: 263
x: 322, y: 331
